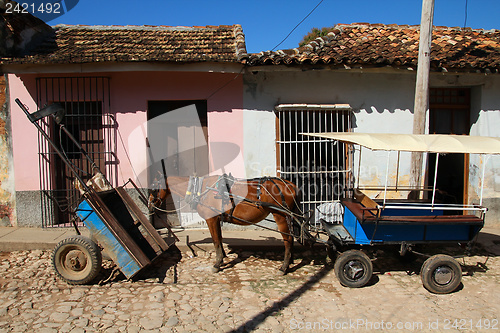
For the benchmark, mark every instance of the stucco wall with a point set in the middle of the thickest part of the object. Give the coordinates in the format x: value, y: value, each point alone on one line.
x: 7, y: 195
x: 381, y: 103
x: 130, y: 93
x: 366, y: 93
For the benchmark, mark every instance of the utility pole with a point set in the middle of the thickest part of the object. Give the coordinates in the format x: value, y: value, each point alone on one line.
x: 421, y: 91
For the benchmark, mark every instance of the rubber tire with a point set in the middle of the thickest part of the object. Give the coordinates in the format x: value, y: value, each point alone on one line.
x: 361, y: 261
x: 429, y: 269
x: 87, y: 260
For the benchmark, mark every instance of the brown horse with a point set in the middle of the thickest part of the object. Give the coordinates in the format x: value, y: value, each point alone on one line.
x: 242, y: 202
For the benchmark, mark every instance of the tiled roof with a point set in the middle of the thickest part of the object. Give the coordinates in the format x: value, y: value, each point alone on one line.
x: 84, y: 44
x: 377, y: 45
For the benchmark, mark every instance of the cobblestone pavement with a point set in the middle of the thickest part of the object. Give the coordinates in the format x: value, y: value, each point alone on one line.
x: 179, y: 293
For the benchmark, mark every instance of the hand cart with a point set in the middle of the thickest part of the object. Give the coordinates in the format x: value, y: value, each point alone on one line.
x: 116, y: 223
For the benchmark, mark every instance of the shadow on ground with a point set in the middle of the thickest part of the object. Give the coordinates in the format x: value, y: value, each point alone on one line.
x: 386, y: 259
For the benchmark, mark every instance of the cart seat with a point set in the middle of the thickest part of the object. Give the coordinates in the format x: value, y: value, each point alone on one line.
x: 366, y: 214
x: 365, y: 200
x: 360, y: 211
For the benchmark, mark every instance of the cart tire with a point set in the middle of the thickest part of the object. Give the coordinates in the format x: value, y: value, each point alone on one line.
x: 77, y: 260
x: 441, y: 274
x: 353, y: 268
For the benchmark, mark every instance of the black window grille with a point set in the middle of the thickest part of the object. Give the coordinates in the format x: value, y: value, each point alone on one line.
x: 88, y: 119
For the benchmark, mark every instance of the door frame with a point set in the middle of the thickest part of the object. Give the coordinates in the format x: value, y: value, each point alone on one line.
x: 453, y: 99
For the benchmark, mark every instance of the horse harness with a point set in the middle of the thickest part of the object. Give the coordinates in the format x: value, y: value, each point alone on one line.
x: 193, y: 192
x: 222, y: 188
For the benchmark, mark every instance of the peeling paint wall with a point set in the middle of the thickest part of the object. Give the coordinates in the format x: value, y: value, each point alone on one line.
x: 7, y: 191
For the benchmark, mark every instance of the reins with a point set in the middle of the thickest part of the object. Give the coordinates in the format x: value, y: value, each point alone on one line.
x: 280, y: 207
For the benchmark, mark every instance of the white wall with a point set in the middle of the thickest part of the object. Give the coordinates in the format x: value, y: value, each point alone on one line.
x: 382, y: 102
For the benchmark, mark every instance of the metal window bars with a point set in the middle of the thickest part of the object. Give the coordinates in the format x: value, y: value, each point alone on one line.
x: 320, y: 168
x: 89, y: 120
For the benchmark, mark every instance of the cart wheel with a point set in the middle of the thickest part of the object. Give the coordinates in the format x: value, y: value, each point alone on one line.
x: 441, y: 274
x: 77, y: 260
x: 353, y: 269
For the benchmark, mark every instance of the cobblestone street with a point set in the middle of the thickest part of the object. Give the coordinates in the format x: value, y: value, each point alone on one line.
x: 179, y: 293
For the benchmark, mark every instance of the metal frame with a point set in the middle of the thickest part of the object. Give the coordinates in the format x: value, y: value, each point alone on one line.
x: 433, y: 205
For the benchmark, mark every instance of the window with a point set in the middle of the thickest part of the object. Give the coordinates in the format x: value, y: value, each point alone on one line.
x: 88, y: 119
x: 319, y: 167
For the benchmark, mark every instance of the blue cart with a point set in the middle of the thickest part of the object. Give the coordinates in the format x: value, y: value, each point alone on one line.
x: 356, y: 222
x: 117, y: 225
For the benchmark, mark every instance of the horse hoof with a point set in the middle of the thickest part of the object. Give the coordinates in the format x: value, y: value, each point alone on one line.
x: 215, y: 269
x: 281, y: 273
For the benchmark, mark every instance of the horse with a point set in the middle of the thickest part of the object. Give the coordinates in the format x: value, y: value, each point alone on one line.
x: 242, y: 202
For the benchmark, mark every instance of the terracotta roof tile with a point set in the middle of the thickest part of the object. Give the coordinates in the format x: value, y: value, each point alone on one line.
x: 365, y: 45
x: 83, y: 44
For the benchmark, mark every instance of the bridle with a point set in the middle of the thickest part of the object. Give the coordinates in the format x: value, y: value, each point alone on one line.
x: 155, y: 201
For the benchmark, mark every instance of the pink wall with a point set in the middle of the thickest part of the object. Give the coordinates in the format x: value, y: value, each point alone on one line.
x: 130, y: 93
x: 24, y: 135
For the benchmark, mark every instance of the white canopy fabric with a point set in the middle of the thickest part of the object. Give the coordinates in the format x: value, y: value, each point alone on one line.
x: 431, y: 143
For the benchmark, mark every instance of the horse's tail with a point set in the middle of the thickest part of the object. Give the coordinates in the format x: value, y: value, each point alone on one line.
x: 295, y: 217
x: 300, y: 220
x: 297, y: 201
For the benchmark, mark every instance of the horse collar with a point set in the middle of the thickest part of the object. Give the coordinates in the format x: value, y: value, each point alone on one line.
x: 193, y: 191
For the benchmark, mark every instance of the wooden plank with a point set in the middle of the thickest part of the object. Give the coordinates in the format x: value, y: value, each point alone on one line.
x: 155, y: 239
x: 364, y: 199
x: 115, y: 227
x: 152, y: 242
x: 360, y: 212
x: 445, y: 219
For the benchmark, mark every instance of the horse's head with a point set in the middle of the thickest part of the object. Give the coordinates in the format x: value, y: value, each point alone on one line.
x: 157, y: 195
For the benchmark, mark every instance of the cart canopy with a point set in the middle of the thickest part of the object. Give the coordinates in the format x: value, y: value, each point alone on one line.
x: 431, y: 143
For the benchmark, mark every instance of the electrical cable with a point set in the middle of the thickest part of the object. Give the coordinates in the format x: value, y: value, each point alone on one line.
x: 225, y: 84
x: 466, y: 10
x: 298, y: 25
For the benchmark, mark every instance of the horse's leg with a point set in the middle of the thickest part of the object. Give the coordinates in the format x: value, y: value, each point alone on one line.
x: 216, y: 233
x: 287, y: 239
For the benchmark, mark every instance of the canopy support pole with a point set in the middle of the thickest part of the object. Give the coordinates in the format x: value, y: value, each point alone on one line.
x: 435, y: 180
x: 482, y: 179
x: 386, y: 176
x: 359, y: 165
x: 397, y: 169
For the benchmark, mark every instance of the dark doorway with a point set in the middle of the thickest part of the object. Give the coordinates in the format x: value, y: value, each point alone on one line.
x: 449, y: 113
x: 177, y: 140
x: 179, y: 136
x: 84, y: 121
